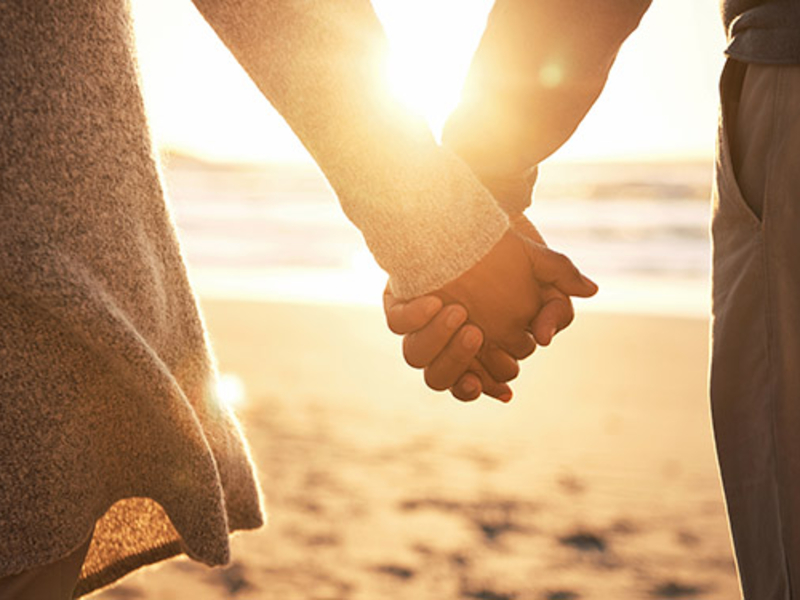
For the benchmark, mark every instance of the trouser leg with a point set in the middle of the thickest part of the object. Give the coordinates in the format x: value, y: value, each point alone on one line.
x: 755, y: 371
x: 55, y: 581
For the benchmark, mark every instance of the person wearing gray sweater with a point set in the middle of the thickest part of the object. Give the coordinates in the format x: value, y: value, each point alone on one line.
x: 115, y: 451
x: 754, y: 379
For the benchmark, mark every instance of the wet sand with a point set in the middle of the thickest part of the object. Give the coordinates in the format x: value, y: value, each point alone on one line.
x: 597, y: 481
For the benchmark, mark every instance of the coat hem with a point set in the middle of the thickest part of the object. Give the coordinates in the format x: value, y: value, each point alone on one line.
x: 119, y: 569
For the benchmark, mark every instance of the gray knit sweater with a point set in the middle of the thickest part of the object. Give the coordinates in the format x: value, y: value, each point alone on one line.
x: 107, y: 407
x: 108, y: 415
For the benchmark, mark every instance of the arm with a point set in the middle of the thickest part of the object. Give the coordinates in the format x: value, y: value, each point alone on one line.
x: 538, y: 69
x: 423, y: 214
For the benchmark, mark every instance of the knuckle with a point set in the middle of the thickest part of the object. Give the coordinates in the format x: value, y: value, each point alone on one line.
x: 563, y: 313
x: 394, y: 325
x: 502, y: 369
x: 468, y: 387
x: 463, y: 396
x: 413, y: 363
x: 508, y: 372
x: 434, y: 381
x: 395, y: 319
x: 455, y: 357
x: 523, y: 351
x: 519, y: 346
x: 413, y: 357
x: 564, y: 261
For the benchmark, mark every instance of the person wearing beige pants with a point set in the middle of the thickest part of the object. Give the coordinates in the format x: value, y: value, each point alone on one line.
x: 755, y: 370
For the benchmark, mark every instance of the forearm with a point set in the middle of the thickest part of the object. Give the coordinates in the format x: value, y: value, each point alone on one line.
x: 539, y: 68
x: 424, y: 215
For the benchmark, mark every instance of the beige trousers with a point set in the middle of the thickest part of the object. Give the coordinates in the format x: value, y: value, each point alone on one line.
x: 755, y: 369
x: 55, y: 581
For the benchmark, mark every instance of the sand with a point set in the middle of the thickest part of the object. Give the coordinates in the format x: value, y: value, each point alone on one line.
x: 597, y: 481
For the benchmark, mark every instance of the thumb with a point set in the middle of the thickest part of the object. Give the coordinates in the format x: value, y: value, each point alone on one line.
x: 554, y: 268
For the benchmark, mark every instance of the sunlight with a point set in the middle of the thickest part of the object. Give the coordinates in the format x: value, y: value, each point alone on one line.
x: 230, y: 390
x: 656, y: 104
x: 431, y: 47
x: 551, y: 75
x: 420, y: 90
x: 199, y: 100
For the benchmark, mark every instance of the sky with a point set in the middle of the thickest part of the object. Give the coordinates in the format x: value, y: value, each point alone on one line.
x: 660, y: 101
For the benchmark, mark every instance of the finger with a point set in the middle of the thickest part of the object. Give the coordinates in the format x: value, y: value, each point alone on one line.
x: 406, y: 316
x: 555, y: 315
x: 467, y: 388
x: 452, y: 362
x: 519, y: 345
x: 498, y: 363
x: 490, y: 387
x: 551, y: 267
x: 423, y: 346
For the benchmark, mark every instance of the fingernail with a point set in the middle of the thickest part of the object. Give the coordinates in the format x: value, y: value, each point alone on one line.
x: 505, y: 398
x: 553, y: 331
x: 472, y: 339
x: 469, y: 386
x: 455, y: 318
x: 588, y: 281
x: 431, y: 306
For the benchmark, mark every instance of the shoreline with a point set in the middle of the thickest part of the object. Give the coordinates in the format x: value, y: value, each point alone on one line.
x: 362, y: 287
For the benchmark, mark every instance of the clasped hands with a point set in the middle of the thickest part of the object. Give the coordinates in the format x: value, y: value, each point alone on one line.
x: 469, y: 335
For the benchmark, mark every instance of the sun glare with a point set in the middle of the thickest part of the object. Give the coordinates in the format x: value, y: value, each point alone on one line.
x: 230, y: 390
x: 421, y: 91
x: 431, y: 47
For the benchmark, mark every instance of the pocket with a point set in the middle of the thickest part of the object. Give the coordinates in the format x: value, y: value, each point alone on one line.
x: 730, y: 206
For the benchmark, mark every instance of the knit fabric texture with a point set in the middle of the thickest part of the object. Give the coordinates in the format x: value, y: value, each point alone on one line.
x: 108, y: 413
x: 109, y: 419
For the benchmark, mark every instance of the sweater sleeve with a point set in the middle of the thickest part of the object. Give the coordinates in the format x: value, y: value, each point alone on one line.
x: 538, y: 69
x: 424, y: 215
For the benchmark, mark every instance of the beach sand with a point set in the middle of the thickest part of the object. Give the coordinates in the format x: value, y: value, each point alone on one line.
x: 597, y: 481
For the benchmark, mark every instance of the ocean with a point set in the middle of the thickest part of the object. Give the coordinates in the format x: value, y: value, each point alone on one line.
x: 277, y: 233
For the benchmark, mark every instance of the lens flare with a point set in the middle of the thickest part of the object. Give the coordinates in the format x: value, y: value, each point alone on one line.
x: 230, y: 390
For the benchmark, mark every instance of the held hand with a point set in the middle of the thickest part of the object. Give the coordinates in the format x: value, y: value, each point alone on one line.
x: 501, y: 295
x: 512, y: 286
x: 557, y: 311
x: 489, y: 369
x: 430, y: 343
